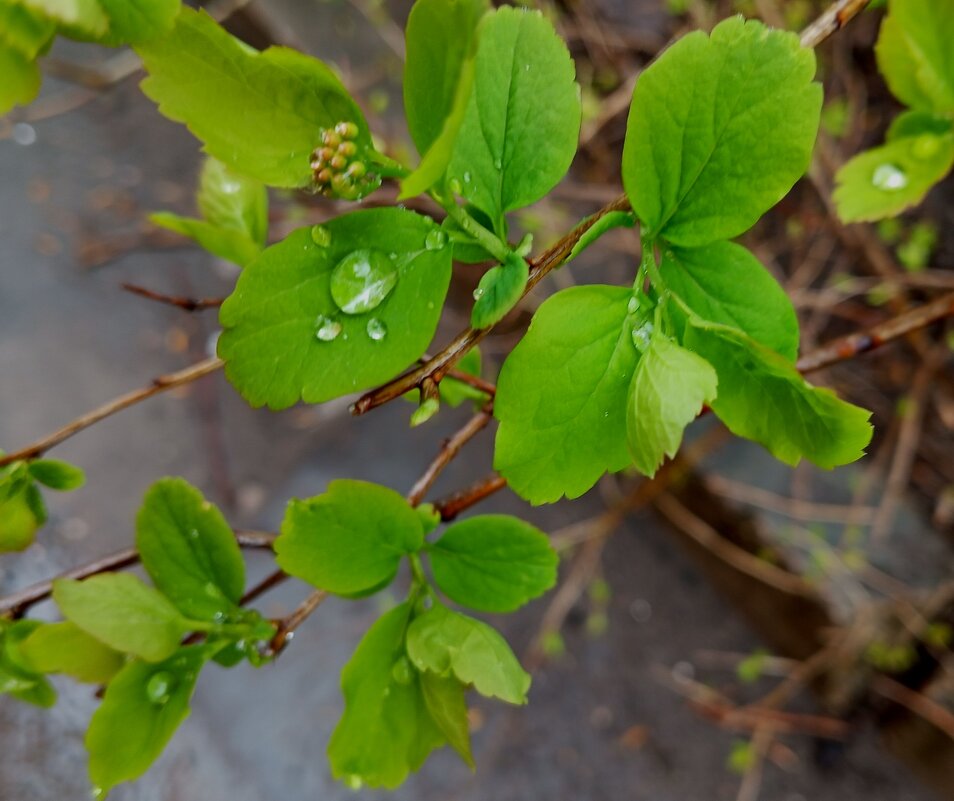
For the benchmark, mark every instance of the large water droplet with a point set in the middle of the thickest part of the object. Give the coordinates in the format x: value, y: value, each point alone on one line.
x: 641, y: 336
x: 377, y: 330
x: 327, y: 329
x: 479, y: 293
x: 402, y: 672
x: 889, y: 178
x: 926, y: 146
x: 159, y: 687
x: 321, y: 236
x: 362, y: 280
x: 435, y: 240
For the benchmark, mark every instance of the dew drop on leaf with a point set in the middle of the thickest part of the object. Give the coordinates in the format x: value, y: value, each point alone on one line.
x: 362, y: 280
x: 327, y: 329
x: 435, y: 240
x: 641, y: 336
x: 889, y: 178
x: 321, y: 236
x: 353, y: 782
x: 159, y: 687
x: 377, y: 330
x: 478, y: 293
x: 401, y: 671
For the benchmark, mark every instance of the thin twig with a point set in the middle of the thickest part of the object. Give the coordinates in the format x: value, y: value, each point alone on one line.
x: 451, y: 506
x: 836, y: 17
x: 188, y: 304
x: 271, y: 580
x: 287, y: 627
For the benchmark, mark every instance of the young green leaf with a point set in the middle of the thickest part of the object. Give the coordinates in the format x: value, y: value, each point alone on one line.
x: 493, y: 563
x: 226, y: 243
x: 66, y: 648
x: 18, y: 521
x: 466, y: 249
x: 445, y: 642
x: 720, y: 129
x: 444, y: 698
x: 229, y: 200
x: 21, y: 79
x: 84, y: 19
x: 124, y: 613
x: 602, y: 224
x: 386, y: 730
x: 137, y: 21
x: 561, y: 396
x: 260, y: 113
x: 25, y: 30
x: 143, y: 706
x: 724, y: 283
x: 349, y: 540
x: 670, y: 387
x: 499, y: 290
x: 18, y: 677
x: 56, y: 474
x: 522, y: 121
x: 189, y: 550
x: 915, y: 55
x: 763, y: 397
x: 328, y: 311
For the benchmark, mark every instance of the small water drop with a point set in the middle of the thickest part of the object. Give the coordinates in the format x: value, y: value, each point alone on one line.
x: 526, y: 68
x: 498, y: 164
x: 377, y: 330
x: 327, y: 329
x: 926, y: 146
x: 435, y: 240
x: 479, y: 293
x: 353, y: 782
x: 889, y: 178
x: 633, y: 306
x: 362, y: 280
x: 211, y: 590
x: 402, y: 672
x: 194, y: 534
x: 159, y: 687
x: 321, y: 236
x: 467, y: 177
x: 641, y: 336
x: 97, y: 793
x: 455, y: 186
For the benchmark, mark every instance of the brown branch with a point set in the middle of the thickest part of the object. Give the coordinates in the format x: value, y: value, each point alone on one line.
x: 160, y: 384
x: 836, y: 17
x: 451, y: 506
x: 473, y: 380
x: 271, y: 580
x: 287, y: 627
x: 188, y: 304
x: 16, y: 604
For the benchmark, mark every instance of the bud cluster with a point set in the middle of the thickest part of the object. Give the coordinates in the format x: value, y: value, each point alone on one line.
x: 337, y: 172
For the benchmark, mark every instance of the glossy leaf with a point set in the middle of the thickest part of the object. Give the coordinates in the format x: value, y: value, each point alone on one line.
x: 283, y: 300
x: 561, y: 395
x: 499, y: 290
x: 493, y: 563
x: 445, y: 642
x: 670, y: 387
x: 719, y: 130
x: 350, y: 539
x: 189, y: 550
x: 56, y: 474
x: 66, y: 648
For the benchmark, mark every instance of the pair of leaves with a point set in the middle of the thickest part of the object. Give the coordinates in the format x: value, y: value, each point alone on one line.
x: 915, y: 58
x: 234, y: 210
x: 350, y: 541
x: 22, y: 509
x: 19, y: 676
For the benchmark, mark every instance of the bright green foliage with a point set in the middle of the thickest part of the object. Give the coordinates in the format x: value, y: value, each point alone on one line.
x: 445, y: 642
x: 137, y: 21
x: 76, y: 18
x: 22, y: 510
x: 66, y: 648
x: 260, y: 113
x: 24, y: 30
x: 499, y: 290
x: 287, y: 339
x: 561, y: 396
x: 522, y: 122
x: 720, y: 129
x: 669, y: 388
x: 724, y: 283
x: 18, y: 676
x: 444, y: 698
x: 234, y: 210
x: 142, y: 708
x: 124, y: 613
x: 764, y: 398
x: 189, y: 550
x: 609, y: 221
x: 56, y: 474
x: 466, y: 249
x: 386, y: 730
x: 349, y: 540
x: 915, y: 55
x: 21, y: 80
x: 493, y: 563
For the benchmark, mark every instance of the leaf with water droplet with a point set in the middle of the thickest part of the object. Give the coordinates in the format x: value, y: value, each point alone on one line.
x: 362, y: 280
x: 271, y: 316
x: 321, y: 236
x: 376, y: 329
x: 499, y: 290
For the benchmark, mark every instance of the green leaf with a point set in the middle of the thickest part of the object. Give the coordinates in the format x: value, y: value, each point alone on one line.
x: 260, y: 113
x: 670, y: 387
x: 124, y: 613
x: 142, y: 708
x: 441, y: 35
x: 724, y: 283
x: 84, y: 17
x: 21, y: 79
x: 466, y: 248
x: 56, y: 474
x: 66, y: 648
x: 350, y: 539
x: 18, y: 677
x: 884, y: 181
x: 762, y: 397
x: 284, y: 300
x: 18, y: 521
x: 602, y: 224
x: 138, y: 21
x: 189, y: 550
x: 720, y: 128
x: 522, y: 122
x: 228, y: 244
x: 445, y: 642
x: 444, y: 698
x: 499, y: 290
x: 24, y: 30
x: 386, y: 730
x: 915, y: 55
x: 561, y: 395
x: 493, y: 563
x: 229, y: 200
